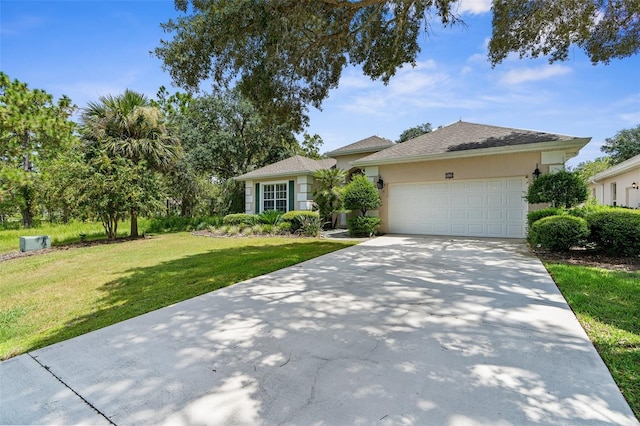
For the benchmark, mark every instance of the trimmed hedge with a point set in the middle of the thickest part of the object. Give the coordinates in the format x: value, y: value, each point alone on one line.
x: 241, y: 219
x: 363, y: 226
x: 616, y: 231
x: 558, y: 233
x: 534, y: 216
x: 179, y: 223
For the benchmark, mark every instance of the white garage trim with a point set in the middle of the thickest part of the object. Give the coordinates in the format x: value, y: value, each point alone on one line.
x: 477, y: 208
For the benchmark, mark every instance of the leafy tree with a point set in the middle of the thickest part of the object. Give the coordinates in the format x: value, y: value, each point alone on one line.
x: 586, y: 169
x: 329, y: 194
x: 310, y: 146
x: 284, y: 55
x: 414, y: 132
x: 33, y: 128
x: 361, y: 194
x: 225, y: 136
x: 603, y: 29
x: 624, y: 145
x: 114, y: 186
x: 59, y: 188
x: 561, y: 189
x: 128, y: 126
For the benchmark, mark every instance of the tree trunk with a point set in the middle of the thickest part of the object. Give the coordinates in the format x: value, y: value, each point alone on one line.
x: 27, y: 211
x: 134, y: 223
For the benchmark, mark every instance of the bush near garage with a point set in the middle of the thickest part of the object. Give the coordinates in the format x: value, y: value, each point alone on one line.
x: 363, y: 226
x: 616, y: 231
x: 559, y: 233
x: 539, y: 214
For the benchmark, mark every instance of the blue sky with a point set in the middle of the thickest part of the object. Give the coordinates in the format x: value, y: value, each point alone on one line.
x: 86, y: 49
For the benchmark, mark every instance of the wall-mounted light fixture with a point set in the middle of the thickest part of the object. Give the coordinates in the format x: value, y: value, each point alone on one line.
x: 380, y: 183
x: 634, y: 185
x: 536, y: 173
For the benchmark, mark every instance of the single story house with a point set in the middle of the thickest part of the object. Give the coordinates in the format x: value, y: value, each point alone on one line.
x: 464, y: 179
x: 618, y: 185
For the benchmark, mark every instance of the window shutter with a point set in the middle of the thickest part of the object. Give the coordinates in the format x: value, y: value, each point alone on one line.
x: 257, y: 198
x: 291, y: 196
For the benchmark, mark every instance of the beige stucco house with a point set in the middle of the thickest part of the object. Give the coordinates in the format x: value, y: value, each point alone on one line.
x: 618, y: 185
x: 464, y: 179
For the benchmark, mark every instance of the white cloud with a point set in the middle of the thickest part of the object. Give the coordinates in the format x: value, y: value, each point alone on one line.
x: 474, y: 7
x: 523, y: 75
x: 633, y: 118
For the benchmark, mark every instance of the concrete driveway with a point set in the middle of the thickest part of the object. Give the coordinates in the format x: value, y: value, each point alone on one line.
x: 397, y: 330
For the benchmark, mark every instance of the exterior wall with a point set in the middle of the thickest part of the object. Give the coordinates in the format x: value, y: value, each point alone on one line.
x: 303, y: 188
x: 625, y: 195
x: 344, y: 161
x: 495, y: 166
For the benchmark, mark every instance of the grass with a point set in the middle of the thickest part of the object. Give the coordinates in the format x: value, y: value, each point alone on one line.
x: 52, y: 297
x: 607, y: 304
x: 63, y: 233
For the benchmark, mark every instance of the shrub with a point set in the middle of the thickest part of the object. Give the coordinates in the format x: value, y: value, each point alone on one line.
x: 587, y: 209
x: 561, y: 189
x: 240, y: 219
x: 361, y: 194
x: 309, y: 226
x: 270, y: 217
x: 232, y: 230
x: 264, y: 229
x: 616, y: 231
x: 539, y: 214
x: 179, y: 223
x: 363, y: 226
x: 284, y: 227
x: 295, y: 217
x: 558, y: 233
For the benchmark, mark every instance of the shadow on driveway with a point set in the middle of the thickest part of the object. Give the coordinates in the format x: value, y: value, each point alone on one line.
x: 397, y: 330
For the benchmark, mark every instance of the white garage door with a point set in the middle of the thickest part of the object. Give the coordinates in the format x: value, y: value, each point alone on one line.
x: 479, y: 208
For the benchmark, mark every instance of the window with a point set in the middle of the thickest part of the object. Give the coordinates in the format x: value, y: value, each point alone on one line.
x: 274, y: 197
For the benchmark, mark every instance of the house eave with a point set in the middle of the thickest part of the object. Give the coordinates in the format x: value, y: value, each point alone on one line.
x: 572, y: 146
x: 274, y: 175
x: 616, y: 170
x: 334, y: 154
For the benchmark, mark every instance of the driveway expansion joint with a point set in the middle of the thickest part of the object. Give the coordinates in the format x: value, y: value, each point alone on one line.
x: 48, y: 369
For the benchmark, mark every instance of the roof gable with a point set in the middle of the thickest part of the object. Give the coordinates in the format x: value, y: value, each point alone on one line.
x: 296, y: 165
x: 370, y: 144
x: 460, y: 137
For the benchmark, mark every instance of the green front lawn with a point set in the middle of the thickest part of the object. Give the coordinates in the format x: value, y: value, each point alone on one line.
x: 607, y: 304
x: 63, y: 233
x: 52, y: 297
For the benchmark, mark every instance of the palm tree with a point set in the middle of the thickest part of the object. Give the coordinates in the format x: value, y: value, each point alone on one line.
x: 129, y: 126
x: 328, y: 195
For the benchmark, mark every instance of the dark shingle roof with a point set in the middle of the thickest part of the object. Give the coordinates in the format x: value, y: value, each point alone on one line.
x: 296, y: 165
x: 463, y: 136
x: 370, y: 144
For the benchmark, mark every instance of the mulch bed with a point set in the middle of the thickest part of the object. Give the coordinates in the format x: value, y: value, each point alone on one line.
x: 591, y: 258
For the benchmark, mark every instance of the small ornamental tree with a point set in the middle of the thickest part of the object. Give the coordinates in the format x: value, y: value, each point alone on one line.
x: 329, y: 195
x: 561, y: 189
x: 362, y: 195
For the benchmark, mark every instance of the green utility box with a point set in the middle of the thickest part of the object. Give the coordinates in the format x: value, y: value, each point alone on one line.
x: 35, y: 243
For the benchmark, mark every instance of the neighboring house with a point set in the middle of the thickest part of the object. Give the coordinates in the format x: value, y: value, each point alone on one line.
x: 618, y: 185
x: 463, y: 179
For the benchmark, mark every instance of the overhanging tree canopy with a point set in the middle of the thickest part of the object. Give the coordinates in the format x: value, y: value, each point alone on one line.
x: 286, y: 54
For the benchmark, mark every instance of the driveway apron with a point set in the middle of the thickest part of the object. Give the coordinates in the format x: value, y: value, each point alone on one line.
x: 396, y: 330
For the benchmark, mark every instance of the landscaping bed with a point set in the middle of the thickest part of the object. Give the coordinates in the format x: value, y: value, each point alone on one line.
x: 593, y: 258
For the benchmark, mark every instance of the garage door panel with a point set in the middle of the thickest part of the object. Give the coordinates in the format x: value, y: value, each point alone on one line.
x: 492, y: 207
